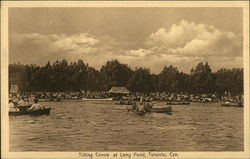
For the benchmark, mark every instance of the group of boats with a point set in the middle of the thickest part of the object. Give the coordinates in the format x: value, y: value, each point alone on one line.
x: 23, y: 110
x: 147, y: 107
x: 223, y: 105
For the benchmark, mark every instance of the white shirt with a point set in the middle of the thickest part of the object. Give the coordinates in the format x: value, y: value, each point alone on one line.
x: 21, y: 103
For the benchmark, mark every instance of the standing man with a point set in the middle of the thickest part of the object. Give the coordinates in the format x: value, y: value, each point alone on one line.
x: 141, y: 105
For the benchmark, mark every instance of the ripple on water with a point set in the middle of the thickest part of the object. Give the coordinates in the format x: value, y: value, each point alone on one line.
x: 97, y: 126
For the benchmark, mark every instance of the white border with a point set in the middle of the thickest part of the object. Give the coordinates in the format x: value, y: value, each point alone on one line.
x: 4, y: 69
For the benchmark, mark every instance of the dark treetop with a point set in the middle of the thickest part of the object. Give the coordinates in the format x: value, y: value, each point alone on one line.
x: 76, y: 76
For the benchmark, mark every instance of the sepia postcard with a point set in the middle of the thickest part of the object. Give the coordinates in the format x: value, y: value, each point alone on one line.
x: 125, y: 79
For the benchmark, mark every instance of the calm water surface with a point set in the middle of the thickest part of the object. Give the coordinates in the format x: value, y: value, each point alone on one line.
x: 104, y: 126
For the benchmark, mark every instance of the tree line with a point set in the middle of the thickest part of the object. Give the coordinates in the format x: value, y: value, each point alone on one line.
x: 77, y: 76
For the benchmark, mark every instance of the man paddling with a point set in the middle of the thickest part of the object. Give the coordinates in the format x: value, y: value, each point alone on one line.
x: 36, y: 106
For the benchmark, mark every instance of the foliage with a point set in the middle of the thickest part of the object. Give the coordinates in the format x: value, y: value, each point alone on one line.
x: 77, y: 76
x: 202, y: 79
x: 168, y: 79
x: 229, y: 80
x: 115, y: 74
x: 141, y: 81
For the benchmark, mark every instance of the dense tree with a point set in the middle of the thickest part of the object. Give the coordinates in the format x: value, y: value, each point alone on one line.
x: 155, y: 81
x: 94, y: 80
x: 202, y: 79
x: 18, y: 75
x: 184, y: 83
x: 229, y: 81
x: 141, y: 81
x: 77, y: 76
x: 168, y: 79
x: 115, y: 74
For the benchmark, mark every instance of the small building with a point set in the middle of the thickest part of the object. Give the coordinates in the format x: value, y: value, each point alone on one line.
x: 118, y: 92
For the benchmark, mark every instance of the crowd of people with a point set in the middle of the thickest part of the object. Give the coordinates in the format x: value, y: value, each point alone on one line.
x: 156, y: 96
x: 29, y: 98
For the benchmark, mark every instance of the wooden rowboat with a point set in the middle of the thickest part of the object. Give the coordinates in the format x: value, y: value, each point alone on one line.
x: 45, y: 111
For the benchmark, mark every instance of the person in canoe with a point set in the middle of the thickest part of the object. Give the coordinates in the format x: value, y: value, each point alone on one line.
x: 12, y: 107
x: 36, y: 106
x: 22, y: 102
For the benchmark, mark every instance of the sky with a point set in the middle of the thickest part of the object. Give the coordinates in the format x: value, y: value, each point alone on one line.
x: 140, y: 37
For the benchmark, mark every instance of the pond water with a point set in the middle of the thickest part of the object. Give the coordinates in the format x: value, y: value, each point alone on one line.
x: 104, y: 126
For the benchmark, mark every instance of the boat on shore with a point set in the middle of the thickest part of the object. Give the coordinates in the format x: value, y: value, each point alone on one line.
x: 178, y: 103
x: 45, y: 111
x: 97, y: 99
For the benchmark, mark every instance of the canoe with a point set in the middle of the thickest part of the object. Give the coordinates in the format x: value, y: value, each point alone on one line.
x: 178, y: 103
x: 23, y: 108
x: 231, y: 105
x: 161, y: 110
x: 45, y: 111
x: 97, y: 99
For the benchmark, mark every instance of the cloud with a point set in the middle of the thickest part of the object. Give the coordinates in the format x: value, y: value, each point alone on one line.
x: 55, y: 43
x: 182, y: 45
x: 191, y: 39
x: 83, y: 41
x: 187, y: 43
x: 38, y: 48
